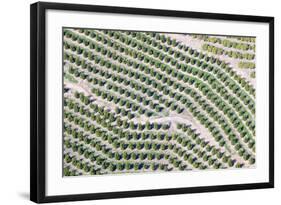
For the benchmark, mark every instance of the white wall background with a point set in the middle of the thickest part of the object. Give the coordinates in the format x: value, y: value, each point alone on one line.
x: 14, y: 103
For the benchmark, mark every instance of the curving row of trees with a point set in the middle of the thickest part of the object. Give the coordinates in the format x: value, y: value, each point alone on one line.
x: 226, y: 42
x: 206, y: 77
x: 226, y: 129
x: 148, y: 40
x: 221, y: 76
x: 142, y: 145
x: 230, y: 53
x: 239, y: 107
x: 137, y: 79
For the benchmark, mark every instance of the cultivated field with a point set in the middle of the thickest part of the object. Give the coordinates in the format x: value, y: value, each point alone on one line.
x: 146, y: 101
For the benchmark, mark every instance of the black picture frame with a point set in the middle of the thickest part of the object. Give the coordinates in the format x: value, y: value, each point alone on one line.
x: 38, y: 101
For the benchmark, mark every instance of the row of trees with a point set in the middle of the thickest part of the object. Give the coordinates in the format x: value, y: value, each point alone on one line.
x: 224, y: 78
x: 229, y: 43
x: 136, y: 155
x: 220, y: 74
x: 246, y: 65
x: 246, y: 39
x: 110, y: 153
x: 224, y: 93
x: 148, y: 39
x: 230, y: 53
x: 227, y: 128
x: 174, y: 137
x: 210, y: 158
x: 237, y: 125
x: 212, y: 149
x: 199, y: 55
x: 112, y: 118
x: 150, y: 94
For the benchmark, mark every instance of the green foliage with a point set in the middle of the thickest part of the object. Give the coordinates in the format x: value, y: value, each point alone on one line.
x: 148, y: 76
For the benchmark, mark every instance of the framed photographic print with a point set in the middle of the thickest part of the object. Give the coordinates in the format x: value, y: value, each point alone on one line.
x: 129, y: 102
